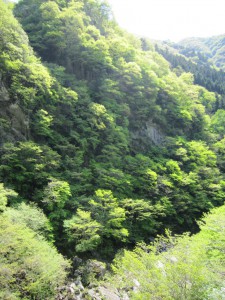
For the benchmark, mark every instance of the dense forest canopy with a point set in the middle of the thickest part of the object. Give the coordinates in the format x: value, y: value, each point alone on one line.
x: 103, y: 144
x: 211, y: 48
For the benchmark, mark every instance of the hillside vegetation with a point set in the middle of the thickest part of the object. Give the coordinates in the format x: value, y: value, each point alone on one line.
x: 103, y: 145
x: 175, y: 268
x: 205, y: 73
x: 212, y: 48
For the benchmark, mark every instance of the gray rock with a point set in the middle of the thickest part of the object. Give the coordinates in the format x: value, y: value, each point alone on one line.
x: 125, y: 297
x: 109, y: 294
x: 96, y: 267
x: 77, y: 261
x: 150, y: 133
x: 4, y: 95
x: 78, y: 284
x: 94, y: 295
x: 154, y: 133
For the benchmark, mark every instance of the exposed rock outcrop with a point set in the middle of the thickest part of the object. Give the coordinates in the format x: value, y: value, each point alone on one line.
x: 76, y: 291
x: 149, y: 134
x: 4, y: 95
x: 86, y: 284
x: 14, y: 124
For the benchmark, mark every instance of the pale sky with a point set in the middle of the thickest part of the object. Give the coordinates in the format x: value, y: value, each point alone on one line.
x: 171, y: 19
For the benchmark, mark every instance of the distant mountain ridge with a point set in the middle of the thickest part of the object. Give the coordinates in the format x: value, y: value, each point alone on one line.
x: 203, y: 57
x: 213, y: 48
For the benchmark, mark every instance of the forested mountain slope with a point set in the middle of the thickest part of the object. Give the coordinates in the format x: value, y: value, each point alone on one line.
x: 203, y: 57
x: 205, y: 72
x: 99, y: 138
x: 212, y: 48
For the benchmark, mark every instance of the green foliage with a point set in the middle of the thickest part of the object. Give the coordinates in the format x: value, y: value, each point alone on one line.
x: 212, y: 234
x: 104, y: 137
x: 207, y: 50
x: 56, y: 194
x: 4, y: 194
x: 32, y: 217
x: 99, y: 226
x: 43, y: 122
x: 198, y: 62
x: 141, y: 219
x: 27, y: 166
x: 84, y: 231
x: 180, y: 267
x: 217, y: 122
x: 30, y: 267
x: 106, y: 211
x: 219, y: 148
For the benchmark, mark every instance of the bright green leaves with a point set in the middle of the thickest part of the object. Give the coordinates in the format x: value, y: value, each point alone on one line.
x: 27, y: 166
x: 143, y: 179
x: 12, y: 34
x: 200, y: 154
x: 100, y: 112
x: 106, y: 210
x: 208, y: 99
x: 181, y: 106
x: 219, y: 148
x: 119, y: 47
x: 3, y: 198
x: 141, y: 218
x: 217, y: 122
x: 213, y: 236
x: 99, y: 13
x: 4, y: 194
x: 43, y: 122
x: 175, y: 268
x: 94, y: 57
x: 187, y: 78
x: 23, y: 73
x: 111, y: 178
x: 56, y: 194
x: 84, y: 231
x: 50, y: 10
x: 55, y: 197
x: 30, y: 267
x: 32, y: 217
x: 100, y: 116
x: 98, y: 226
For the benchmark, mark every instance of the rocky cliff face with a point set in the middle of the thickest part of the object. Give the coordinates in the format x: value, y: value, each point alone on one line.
x: 149, y: 134
x: 14, y: 124
x: 4, y: 95
x: 90, y: 288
